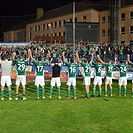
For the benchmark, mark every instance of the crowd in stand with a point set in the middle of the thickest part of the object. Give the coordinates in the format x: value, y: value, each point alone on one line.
x: 40, y: 49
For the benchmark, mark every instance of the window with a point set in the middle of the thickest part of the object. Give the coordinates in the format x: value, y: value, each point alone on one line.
x: 55, y: 24
x: 30, y: 28
x: 123, y: 16
x: 43, y: 27
x: 63, y: 22
x: 70, y: 19
x: 122, y: 42
x: 38, y: 27
x: 59, y: 23
x: 35, y: 28
x: 103, y: 32
x: 103, y: 19
x: 108, y: 19
x: 131, y: 15
x: 122, y: 30
x: 30, y: 35
x: 55, y: 34
x: 63, y: 33
x: 108, y: 32
x: 76, y: 19
x: 131, y: 42
x: 131, y: 29
x: 84, y: 17
x: 59, y: 34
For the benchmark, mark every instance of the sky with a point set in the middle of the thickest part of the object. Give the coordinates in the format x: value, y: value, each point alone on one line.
x: 12, y: 12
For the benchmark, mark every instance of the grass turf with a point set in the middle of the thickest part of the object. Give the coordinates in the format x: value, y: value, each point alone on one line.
x: 94, y: 115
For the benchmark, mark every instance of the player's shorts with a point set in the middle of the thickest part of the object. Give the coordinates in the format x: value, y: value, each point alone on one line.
x: 86, y: 81
x: 132, y: 81
x: 39, y: 80
x: 5, y: 80
x: 123, y: 81
x: 71, y: 81
x: 55, y: 81
x: 97, y: 80
x: 108, y: 80
x: 21, y: 79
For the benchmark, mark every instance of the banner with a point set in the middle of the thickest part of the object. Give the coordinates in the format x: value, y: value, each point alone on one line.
x: 30, y: 76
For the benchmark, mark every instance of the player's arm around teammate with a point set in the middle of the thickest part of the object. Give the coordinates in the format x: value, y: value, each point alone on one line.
x: 72, y: 75
x: 87, y: 68
x: 130, y: 63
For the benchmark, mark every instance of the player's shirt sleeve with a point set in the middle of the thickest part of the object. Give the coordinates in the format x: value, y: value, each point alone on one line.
x: 67, y: 64
x: 15, y: 61
x: 94, y: 63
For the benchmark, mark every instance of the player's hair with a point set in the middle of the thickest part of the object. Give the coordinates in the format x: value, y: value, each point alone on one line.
x: 122, y: 61
x: 39, y: 58
x: 109, y: 60
x: 6, y: 56
x: 85, y: 60
x: 56, y: 60
x: 20, y: 57
x: 71, y: 60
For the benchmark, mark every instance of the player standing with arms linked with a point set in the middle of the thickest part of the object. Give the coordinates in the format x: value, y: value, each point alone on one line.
x: 87, y: 79
x: 39, y: 80
x: 72, y: 75
x: 5, y: 77
x: 109, y: 68
x: 21, y: 74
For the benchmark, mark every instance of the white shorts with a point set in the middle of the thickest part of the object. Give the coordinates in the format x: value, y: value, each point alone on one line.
x: 123, y: 81
x: 71, y: 81
x: 132, y: 81
x: 97, y: 80
x: 55, y: 81
x: 39, y: 81
x: 108, y: 80
x: 21, y: 79
x: 87, y: 81
x: 5, y: 80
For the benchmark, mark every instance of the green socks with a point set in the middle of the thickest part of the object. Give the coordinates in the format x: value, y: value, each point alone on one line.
x: 74, y: 92
x: 2, y: 93
x: 100, y: 91
x: 93, y: 91
x: 58, y: 91
x: 119, y: 91
x: 87, y: 94
x: 43, y: 92
x: 105, y: 92
x: 37, y: 92
x: 51, y: 90
x: 110, y: 91
x: 9, y: 93
x: 125, y: 90
x: 68, y: 92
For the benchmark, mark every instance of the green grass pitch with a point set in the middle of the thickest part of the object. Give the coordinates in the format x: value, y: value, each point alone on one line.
x: 94, y: 115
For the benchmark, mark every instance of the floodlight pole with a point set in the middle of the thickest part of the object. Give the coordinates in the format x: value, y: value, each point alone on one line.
x: 74, y: 29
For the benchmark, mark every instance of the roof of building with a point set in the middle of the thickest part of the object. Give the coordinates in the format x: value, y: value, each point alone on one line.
x: 127, y: 3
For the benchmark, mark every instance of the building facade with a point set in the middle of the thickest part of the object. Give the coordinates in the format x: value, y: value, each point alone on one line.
x: 51, y: 24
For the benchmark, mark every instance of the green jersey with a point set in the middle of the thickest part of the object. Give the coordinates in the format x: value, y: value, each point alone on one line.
x: 39, y: 67
x: 72, y: 69
x: 87, y: 68
x: 109, y: 69
x: 123, y: 69
x: 20, y: 66
x: 98, y: 68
